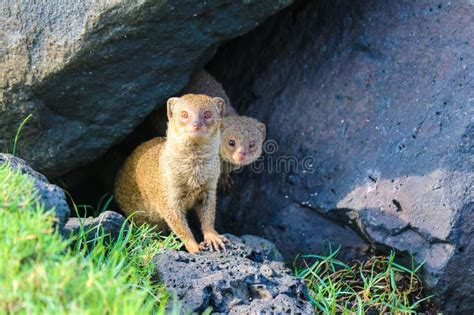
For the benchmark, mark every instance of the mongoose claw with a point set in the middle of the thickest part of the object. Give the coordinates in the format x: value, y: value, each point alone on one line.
x: 192, y: 248
x: 214, y: 242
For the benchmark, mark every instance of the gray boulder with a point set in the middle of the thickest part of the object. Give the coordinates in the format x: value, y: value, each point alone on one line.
x: 370, y: 107
x: 108, y: 223
x: 51, y: 196
x: 90, y: 71
x: 241, y: 280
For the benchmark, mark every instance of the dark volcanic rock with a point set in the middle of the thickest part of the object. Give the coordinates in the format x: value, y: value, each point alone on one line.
x: 51, y: 196
x: 239, y: 281
x: 90, y: 71
x: 108, y: 224
x: 370, y: 106
x: 263, y: 247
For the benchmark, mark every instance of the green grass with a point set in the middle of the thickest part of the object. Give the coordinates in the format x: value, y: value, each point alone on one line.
x: 378, y: 285
x: 40, y: 273
x: 18, y: 132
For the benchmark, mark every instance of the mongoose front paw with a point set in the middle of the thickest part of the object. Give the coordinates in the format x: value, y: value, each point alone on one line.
x: 213, y: 242
x: 192, y: 247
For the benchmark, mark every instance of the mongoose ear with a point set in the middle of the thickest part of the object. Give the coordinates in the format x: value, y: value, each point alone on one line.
x: 220, y: 104
x: 263, y: 129
x: 169, y: 106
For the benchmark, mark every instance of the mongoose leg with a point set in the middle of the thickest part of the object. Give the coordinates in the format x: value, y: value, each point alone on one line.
x: 176, y: 220
x: 206, y: 212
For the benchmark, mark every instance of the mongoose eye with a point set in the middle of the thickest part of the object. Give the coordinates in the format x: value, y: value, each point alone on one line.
x: 252, y: 144
x: 207, y: 114
x: 184, y: 114
x: 232, y: 143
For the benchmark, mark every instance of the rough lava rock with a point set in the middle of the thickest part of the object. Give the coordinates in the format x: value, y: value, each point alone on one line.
x: 377, y: 98
x: 263, y: 247
x: 242, y: 280
x: 51, y: 196
x: 90, y: 71
x: 108, y: 223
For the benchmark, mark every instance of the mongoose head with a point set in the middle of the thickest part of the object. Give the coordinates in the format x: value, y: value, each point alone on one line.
x: 195, y: 117
x: 242, y: 140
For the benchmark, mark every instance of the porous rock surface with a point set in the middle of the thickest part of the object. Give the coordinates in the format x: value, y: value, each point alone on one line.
x: 248, y: 278
x: 51, y: 196
x: 377, y: 98
x: 90, y: 71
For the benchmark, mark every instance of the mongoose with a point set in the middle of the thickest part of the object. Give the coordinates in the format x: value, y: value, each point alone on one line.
x: 165, y: 177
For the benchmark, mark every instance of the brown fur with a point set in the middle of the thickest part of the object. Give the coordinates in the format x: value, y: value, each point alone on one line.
x: 164, y: 178
x: 204, y: 83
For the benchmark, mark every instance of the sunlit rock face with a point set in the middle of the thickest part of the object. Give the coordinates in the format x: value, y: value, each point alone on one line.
x: 90, y: 71
x: 379, y: 96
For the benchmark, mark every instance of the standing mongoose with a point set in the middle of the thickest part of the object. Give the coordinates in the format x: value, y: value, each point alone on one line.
x: 163, y: 178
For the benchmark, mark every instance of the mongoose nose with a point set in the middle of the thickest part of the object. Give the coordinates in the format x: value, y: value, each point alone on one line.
x: 197, y: 125
x: 242, y: 155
